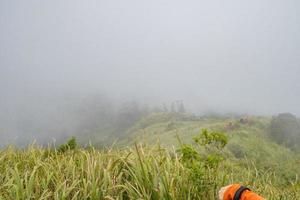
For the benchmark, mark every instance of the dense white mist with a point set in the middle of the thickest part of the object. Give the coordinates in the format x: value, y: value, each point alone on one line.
x: 223, y: 56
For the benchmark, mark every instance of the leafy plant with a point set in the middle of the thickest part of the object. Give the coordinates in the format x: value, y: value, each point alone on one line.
x: 285, y: 129
x: 70, y: 145
x: 202, y: 165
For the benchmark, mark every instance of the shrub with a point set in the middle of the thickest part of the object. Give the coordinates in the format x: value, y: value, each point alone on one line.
x: 285, y: 129
x: 203, y: 166
x: 70, y: 145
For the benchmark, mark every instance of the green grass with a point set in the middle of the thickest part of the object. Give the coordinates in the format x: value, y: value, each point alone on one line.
x: 140, y: 173
x: 154, y: 169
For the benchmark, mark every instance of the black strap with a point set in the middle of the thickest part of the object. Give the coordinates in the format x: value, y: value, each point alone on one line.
x: 239, y: 192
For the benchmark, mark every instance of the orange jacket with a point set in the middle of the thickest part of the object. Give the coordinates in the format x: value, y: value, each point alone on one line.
x: 245, y: 195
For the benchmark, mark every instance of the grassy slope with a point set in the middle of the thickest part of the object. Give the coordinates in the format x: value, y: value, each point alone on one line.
x: 141, y: 173
x: 247, y: 142
x: 151, y: 172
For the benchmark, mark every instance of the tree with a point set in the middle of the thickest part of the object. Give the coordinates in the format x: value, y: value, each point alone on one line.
x: 129, y: 113
x: 285, y: 129
x: 181, y: 107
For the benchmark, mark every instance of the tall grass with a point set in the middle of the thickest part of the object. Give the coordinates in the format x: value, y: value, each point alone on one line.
x: 138, y: 173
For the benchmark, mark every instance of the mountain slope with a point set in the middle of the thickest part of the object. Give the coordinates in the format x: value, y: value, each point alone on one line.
x: 249, y: 141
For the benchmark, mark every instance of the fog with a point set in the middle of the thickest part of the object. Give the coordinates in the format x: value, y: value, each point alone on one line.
x: 220, y: 56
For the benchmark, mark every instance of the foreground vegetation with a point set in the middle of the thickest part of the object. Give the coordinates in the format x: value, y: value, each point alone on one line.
x: 192, y: 172
x: 176, y: 163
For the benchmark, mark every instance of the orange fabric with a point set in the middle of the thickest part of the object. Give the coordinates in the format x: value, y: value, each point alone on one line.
x: 246, y: 195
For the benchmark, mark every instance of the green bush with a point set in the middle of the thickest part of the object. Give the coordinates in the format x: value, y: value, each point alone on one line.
x: 285, y: 130
x: 203, y: 166
x: 70, y: 145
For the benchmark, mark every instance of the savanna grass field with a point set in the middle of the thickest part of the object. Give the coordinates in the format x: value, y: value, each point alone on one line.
x: 194, y: 166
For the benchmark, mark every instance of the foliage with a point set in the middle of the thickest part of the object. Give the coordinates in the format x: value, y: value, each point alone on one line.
x: 139, y: 173
x: 285, y: 129
x: 199, y: 164
x: 211, y: 139
x: 70, y: 145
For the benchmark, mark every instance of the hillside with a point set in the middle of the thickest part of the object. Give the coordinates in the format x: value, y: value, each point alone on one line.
x: 163, y: 156
x: 248, y: 139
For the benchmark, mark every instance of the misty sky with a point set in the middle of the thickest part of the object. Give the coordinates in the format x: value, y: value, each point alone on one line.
x: 226, y: 56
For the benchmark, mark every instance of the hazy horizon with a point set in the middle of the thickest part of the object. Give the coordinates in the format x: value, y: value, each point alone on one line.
x: 233, y: 56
